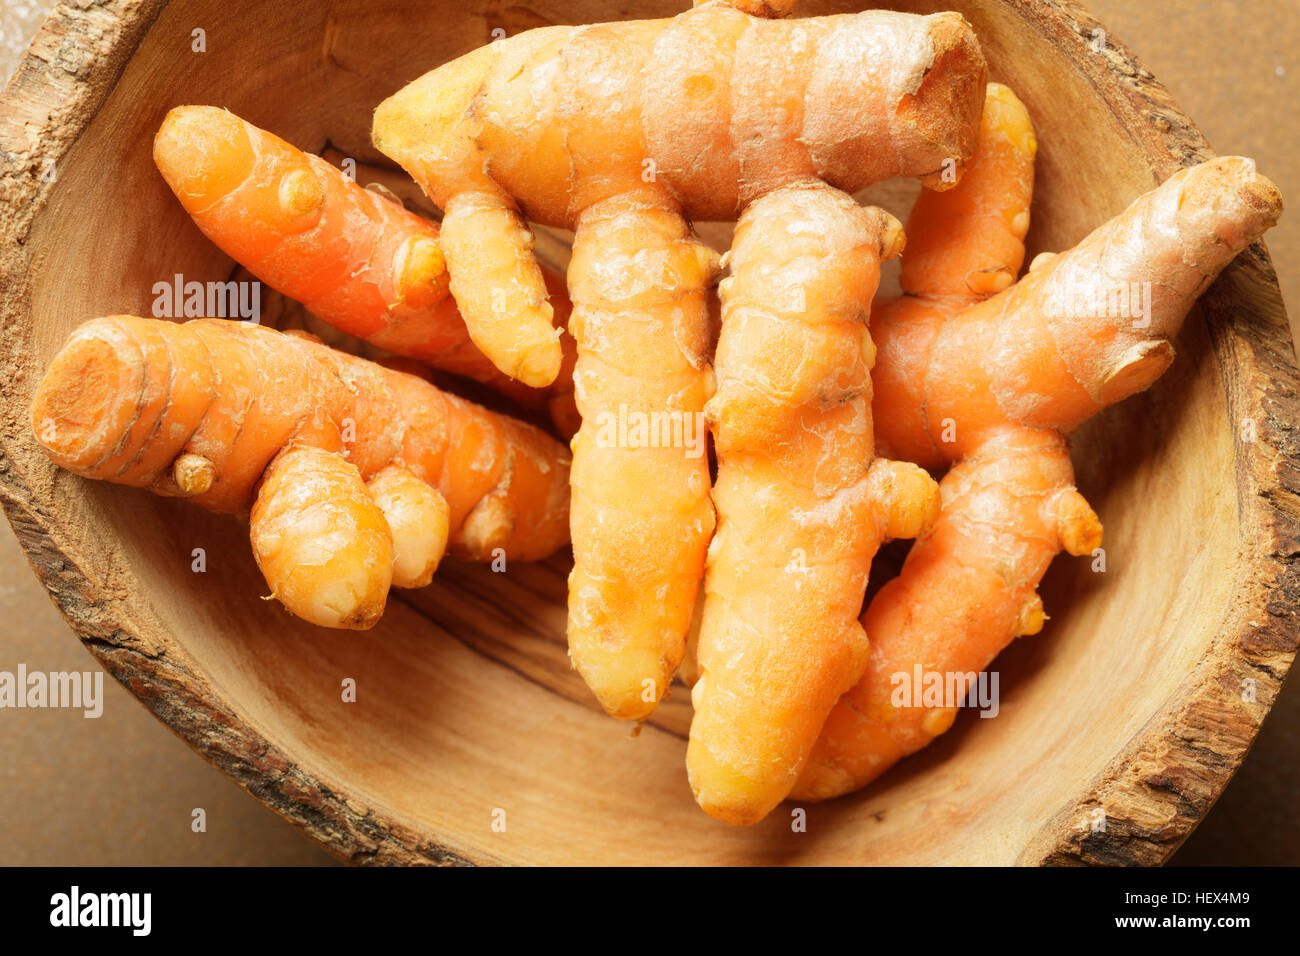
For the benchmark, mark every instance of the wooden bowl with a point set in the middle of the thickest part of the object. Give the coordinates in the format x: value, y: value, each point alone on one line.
x: 1133, y: 707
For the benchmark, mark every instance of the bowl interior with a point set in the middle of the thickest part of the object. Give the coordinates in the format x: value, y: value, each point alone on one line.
x: 465, y: 705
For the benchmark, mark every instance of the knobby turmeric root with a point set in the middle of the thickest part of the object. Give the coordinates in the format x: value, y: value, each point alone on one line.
x: 355, y: 259
x: 994, y: 385
x: 624, y: 131
x: 802, y: 502
x: 713, y: 107
x: 641, y: 517
x: 357, y: 476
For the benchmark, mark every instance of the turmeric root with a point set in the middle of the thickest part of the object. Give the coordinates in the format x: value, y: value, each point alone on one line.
x: 419, y: 519
x: 353, y: 258
x: 802, y: 502
x: 320, y: 540
x: 552, y: 121
x: 995, y: 387
x: 624, y: 131
x: 641, y: 517
x: 356, y: 475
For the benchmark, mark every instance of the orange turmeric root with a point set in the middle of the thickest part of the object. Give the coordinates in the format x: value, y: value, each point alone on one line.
x: 641, y: 517
x: 995, y: 386
x: 551, y: 121
x: 624, y: 132
x: 802, y: 502
x: 353, y: 258
x: 357, y: 475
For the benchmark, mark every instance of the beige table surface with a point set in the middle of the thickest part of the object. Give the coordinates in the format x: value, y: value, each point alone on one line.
x: 122, y: 789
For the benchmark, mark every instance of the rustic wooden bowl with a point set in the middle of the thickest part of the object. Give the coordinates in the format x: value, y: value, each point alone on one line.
x: 1131, y: 702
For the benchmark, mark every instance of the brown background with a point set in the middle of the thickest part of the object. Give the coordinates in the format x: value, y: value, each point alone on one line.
x: 121, y: 789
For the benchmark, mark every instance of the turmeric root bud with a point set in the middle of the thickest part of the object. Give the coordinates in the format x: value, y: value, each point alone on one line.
x: 910, y: 497
x: 1032, y: 618
x: 1077, y: 524
x: 301, y: 194
x: 499, y: 287
x: 193, y: 474
x: 419, y: 519
x: 487, y: 528
x: 419, y: 273
x: 322, y: 543
x: 1136, y: 368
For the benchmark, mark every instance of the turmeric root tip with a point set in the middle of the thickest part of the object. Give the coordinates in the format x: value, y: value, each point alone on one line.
x: 322, y: 543
x: 499, y: 287
x: 193, y: 474
x: 910, y: 495
x: 419, y: 519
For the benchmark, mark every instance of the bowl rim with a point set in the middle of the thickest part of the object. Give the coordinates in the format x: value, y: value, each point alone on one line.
x: 60, y: 95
